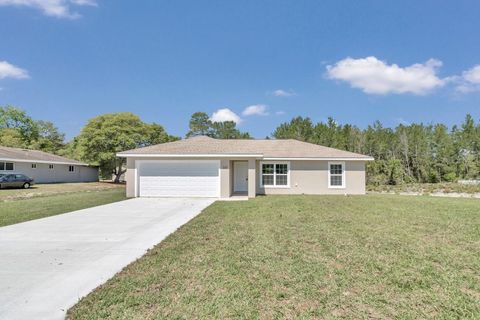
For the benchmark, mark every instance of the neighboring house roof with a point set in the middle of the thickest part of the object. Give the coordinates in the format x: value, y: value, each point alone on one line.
x: 27, y: 155
x: 266, y: 149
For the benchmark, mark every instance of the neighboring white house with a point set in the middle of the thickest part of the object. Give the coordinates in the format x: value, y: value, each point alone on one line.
x: 45, y: 167
x: 206, y: 167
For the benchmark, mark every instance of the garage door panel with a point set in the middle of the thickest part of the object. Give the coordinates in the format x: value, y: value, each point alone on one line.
x: 179, y: 179
x: 175, y: 169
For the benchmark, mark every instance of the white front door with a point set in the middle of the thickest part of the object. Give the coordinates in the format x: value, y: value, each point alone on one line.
x: 240, y: 176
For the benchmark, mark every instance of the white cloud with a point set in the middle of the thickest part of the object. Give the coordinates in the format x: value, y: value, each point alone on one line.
x: 469, y: 81
x: 472, y: 75
x: 374, y: 76
x: 225, y: 114
x: 8, y: 70
x: 283, y: 93
x: 256, y: 109
x: 91, y: 3
x: 54, y: 8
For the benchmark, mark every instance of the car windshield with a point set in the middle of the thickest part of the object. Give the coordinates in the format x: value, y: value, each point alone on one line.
x: 2, y: 177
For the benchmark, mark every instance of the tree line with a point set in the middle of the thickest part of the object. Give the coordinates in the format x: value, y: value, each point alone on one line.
x: 404, y: 154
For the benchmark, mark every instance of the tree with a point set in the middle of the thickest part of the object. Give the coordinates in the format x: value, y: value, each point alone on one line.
x: 17, y: 129
x: 298, y: 128
x: 468, y: 145
x: 11, y: 138
x: 443, y: 155
x: 199, y: 125
x: 354, y: 138
x: 106, y: 135
x: 228, y: 130
x: 49, y: 138
x: 17, y: 119
x: 156, y: 134
x: 71, y: 150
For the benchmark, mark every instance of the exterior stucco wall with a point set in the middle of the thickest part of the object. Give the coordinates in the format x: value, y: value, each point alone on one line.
x: 307, y: 177
x: 59, y: 173
x: 130, y: 177
x: 252, y: 178
x: 226, y: 177
x: 311, y: 177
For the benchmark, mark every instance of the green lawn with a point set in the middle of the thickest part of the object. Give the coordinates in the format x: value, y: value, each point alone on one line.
x: 375, y: 256
x: 49, y: 189
x: 24, y: 209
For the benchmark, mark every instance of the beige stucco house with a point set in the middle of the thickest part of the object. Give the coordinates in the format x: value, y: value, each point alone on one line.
x: 45, y: 167
x: 207, y: 167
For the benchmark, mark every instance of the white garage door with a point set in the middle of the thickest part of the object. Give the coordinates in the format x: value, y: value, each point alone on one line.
x: 182, y: 178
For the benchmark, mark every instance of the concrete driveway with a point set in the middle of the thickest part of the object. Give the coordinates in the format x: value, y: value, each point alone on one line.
x: 47, y: 265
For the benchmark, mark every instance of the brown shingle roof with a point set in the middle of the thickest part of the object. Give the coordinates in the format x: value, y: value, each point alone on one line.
x: 7, y: 153
x: 269, y: 148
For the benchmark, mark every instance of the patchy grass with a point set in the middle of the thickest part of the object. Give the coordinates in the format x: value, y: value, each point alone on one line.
x: 12, y: 212
x: 427, y: 188
x: 358, y: 257
x: 41, y: 190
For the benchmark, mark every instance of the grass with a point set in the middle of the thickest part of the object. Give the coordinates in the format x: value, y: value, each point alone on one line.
x: 21, y: 210
x: 358, y: 257
x: 427, y: 188
x: 41, y: 190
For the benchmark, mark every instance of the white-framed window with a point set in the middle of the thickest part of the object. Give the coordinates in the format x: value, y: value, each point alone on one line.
x: 71, y: 169
x: 50, y: 166
x: 336, y: 174
x: 34, y: 166
x: 275, y: 174
x: 7, y: 166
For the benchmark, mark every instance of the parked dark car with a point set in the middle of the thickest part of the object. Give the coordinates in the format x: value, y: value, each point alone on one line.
x: 15, y: 180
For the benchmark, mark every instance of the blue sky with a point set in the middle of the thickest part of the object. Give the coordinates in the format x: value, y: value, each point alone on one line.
x: 358, y: 61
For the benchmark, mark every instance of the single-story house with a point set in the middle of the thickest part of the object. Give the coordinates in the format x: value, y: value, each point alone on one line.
x: 45, y: 167
x: 207, y: 167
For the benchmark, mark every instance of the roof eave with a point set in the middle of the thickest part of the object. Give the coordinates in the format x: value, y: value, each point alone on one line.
x: 192, y: 155
x: 319, y: 158
x: 45, y: 161
x: 224, y: 155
